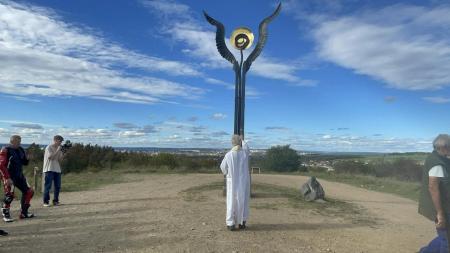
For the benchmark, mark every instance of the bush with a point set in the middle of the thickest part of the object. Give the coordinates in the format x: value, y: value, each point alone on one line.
x: 401, y: 168
x: 282, y: 158
x: 352, y: 167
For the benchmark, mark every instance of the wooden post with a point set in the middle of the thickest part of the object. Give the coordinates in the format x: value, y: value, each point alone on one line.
x: 35, y: 186
x: 224, y: 192
x: 251, y: 185
x: 259, y: 170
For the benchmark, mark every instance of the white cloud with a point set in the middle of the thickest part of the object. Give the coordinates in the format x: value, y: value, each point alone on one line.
x: 199, y: 39
x: 167, y: 7
x: 26, y: 99
x: 131, y: 134
x: 407, y: 47
x: 181, y: 134
x: 218, y: 116
x: 437, y: 100
x: 42, y: 55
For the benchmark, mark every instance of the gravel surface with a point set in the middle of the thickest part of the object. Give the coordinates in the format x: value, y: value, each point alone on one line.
x: 150, y: 213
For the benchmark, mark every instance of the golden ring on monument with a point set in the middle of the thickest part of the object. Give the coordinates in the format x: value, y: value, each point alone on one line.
x: 242, y: 38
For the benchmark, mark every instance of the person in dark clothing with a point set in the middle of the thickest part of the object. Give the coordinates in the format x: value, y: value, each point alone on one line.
x: 12, y: 159
x: 434, y: 202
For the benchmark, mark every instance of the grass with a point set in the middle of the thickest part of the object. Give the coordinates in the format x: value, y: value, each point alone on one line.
x: 196, y: 193
x: 78, y: 182
x: 93, y: 179
x: 90, y: 180
x: 274, y: 197
x: 410, y: 190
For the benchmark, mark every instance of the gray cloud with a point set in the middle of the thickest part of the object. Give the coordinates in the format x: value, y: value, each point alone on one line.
x: 148, y: 129
x: 192, y: 119
x: 124, y: 125
x: 390, y: 99
x: 27, y: 125
x: 276, y: 128
x: 197, y: 129
x: 219, y: 134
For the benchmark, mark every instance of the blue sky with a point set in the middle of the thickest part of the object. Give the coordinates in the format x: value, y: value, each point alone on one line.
x: 334, y: 75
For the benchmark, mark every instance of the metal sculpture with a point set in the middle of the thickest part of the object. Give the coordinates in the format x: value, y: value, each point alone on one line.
x: 241, y: 39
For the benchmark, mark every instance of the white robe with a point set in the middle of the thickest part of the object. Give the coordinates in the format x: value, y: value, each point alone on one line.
x: 235, y: 166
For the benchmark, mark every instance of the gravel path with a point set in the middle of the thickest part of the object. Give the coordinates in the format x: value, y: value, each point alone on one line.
x: 150, y: 214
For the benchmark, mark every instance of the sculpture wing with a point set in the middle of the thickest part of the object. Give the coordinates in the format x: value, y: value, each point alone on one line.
x: 220, y: 40
x: 261, y: 40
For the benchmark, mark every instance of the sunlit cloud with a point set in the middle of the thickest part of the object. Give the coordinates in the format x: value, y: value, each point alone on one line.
x: 67, y: 60
x: 405, y: 46
x: 199, y: 41
x: 437, y: 100
x: 218, y: 116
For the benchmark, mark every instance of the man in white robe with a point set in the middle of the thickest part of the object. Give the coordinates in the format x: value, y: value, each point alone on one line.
x: 235, y: 167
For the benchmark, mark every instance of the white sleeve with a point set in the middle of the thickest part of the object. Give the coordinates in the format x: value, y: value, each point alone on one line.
x: 52, y: 155
x: 245, y: 147
x: 436, y: 171
x: 224, y: 166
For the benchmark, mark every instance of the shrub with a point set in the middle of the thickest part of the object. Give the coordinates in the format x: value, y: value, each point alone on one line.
x: 281, y: 158
x: 352, y: 167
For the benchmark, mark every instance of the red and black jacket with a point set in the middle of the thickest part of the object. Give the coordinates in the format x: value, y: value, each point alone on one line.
x: 11, y: 162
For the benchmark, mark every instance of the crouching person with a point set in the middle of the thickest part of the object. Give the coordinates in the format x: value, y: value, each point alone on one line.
x: 12, y: 159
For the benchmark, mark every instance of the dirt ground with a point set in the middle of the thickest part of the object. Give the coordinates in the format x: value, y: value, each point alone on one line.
x: 150, y: 214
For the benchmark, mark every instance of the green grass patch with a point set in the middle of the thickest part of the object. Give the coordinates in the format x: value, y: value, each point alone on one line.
x: 274, y: 197
x: 196, y: 193
x: 77, y: 182
x: 91, y: 180
x: 410, y: 190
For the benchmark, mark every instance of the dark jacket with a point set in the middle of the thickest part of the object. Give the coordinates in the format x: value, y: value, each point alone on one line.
x: 11, y: 162
x: 426, y: 206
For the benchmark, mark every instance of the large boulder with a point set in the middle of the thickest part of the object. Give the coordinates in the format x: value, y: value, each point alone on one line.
x: 312, y: 190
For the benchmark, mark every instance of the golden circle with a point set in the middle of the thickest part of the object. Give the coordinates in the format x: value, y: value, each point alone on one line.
x: 243, y: 33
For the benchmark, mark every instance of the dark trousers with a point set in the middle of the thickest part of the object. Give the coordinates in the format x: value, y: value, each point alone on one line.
x: 19, y: 182
x: 52, y: 177
x: 440, y: 243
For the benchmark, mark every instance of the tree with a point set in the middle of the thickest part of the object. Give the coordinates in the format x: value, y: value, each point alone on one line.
x: 282, y: 158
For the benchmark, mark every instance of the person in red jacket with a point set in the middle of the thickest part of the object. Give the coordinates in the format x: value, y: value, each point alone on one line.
x: 12, y: 159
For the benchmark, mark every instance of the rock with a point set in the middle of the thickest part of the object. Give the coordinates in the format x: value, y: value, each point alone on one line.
x: 312, y: 190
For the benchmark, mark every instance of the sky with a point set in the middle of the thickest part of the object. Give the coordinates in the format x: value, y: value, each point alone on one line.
x: 334, y: 75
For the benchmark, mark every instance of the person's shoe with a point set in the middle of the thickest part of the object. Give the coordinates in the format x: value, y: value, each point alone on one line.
x: 242, y: 226
x: 231, y: 228
x: 3, y: 232
x: 56, y: 203
x: 26, y: 215
x: 7, y: 215
x: 46, y: 205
